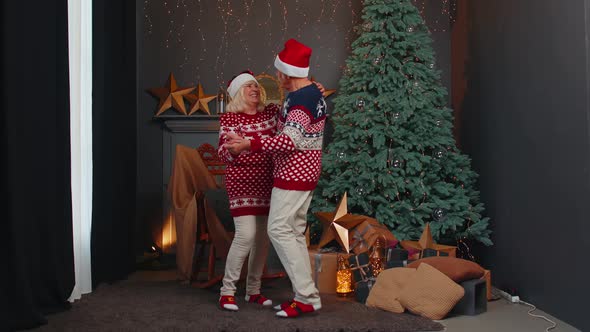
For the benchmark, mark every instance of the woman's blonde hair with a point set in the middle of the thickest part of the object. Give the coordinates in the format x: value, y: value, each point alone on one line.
x: 238, y: 103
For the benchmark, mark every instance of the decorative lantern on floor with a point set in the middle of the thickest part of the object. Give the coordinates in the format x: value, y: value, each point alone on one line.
x: 377, y: 257
x: 343, y: 277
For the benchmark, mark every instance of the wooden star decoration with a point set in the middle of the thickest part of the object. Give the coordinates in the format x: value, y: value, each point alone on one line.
x: 199, y: 101
x: 337, y: 224
x: 171, y: 96
x: 427, y: 242
x: 327, y: 92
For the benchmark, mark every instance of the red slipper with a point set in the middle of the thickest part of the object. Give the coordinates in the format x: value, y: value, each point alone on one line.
x: 228, y: 302
x: 297, y: 308
x: 283, y: 305
x: 260, y: 299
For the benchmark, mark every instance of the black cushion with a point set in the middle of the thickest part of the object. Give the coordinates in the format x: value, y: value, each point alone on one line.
x: 219, y: 202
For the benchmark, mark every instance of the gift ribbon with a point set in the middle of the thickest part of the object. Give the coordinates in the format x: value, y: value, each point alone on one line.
x: 358, y: 237
x: 317, y: 269
x: 360, y: 267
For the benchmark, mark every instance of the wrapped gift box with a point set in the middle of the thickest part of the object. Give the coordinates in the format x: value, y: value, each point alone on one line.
x: 362, y: 275
x: 364, y: 235
x: 324, y: 264
x: 362, y: 290
x: 359, y: 265
x: 488, y: 278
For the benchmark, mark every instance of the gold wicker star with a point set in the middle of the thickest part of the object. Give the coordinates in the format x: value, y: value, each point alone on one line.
x: 171, y: 96
x: 199, y: 101
x: 337, y: 224
x: 327, y: 92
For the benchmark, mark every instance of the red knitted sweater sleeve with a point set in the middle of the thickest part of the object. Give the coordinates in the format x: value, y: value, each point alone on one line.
x: 297, y: 121
x: 228, y: 123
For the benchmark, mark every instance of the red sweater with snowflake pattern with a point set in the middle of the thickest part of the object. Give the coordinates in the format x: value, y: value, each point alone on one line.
x: 297, y: 148
x: 248, y: 177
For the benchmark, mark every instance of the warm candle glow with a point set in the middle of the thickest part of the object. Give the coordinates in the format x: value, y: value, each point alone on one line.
x: 343, y: 277
x: 169, y: 235
x: 344, y: 282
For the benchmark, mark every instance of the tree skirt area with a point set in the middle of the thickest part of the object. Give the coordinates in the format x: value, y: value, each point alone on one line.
x: 169, y: 305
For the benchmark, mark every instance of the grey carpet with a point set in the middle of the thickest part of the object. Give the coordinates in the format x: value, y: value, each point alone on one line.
x: 170, y: 306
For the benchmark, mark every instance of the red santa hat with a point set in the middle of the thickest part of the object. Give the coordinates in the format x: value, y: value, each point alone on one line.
x: 293, y: 60
x: 236, y: 82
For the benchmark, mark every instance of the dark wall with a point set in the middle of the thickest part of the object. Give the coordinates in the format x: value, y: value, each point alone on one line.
x: 203, y: 42
x: 525, y: 122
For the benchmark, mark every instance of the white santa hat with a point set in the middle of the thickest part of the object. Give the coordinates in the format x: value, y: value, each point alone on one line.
x: 236, y: 83
x: 293, y: 60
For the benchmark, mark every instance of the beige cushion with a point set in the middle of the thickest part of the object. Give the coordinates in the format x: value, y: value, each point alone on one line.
x: 430, y: 293
x: 457, y: 269
x: 387, y: 288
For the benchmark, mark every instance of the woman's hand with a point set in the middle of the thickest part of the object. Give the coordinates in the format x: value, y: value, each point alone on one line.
x: 235, y: 144
x: 321, y: 87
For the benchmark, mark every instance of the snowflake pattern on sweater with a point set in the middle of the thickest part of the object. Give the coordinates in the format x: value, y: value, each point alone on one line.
x: 297, y: 148
x: 248, y: 176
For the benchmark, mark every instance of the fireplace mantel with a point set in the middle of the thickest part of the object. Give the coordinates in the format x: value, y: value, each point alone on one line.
x: 190, y: 123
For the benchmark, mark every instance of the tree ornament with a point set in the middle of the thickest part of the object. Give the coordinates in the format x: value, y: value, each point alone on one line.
x: 360, y: 191
x: 410, y: 29
x: 438, y: 214
x: 360, y: 103
x: 341, y: 155
x: 438, y: 123
x: 439, y: 153
x: 396, y: 116
x: 377, y: 60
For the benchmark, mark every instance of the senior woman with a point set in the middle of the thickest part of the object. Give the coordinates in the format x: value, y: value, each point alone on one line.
x: 249, y: 184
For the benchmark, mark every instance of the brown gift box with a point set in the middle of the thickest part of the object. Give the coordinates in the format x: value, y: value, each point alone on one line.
x: 366, y: 234
x: 323, y: 269
x: 488, y: 278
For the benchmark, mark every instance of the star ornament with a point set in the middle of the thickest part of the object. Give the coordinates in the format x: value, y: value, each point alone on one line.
x: 427, y: 242
x: 199, y: 101
x: 337, y: 224
x: 170, y: 96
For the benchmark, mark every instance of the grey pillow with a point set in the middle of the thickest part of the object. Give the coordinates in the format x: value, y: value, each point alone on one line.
x: 219, y: 202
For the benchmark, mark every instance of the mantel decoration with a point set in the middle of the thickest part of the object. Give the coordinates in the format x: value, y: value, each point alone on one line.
x: 270, y: 89
x: 199, y: 101
x: 170, y: 96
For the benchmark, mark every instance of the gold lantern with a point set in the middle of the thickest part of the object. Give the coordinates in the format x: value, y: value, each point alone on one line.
x: 377, y: 257
x: 343, y: 277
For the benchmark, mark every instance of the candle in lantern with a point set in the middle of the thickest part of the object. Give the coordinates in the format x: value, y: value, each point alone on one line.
x: 343, y: 277
x: 377, y: 258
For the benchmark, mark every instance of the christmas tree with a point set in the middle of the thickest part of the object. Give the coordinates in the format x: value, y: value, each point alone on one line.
x: 392, y: 149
